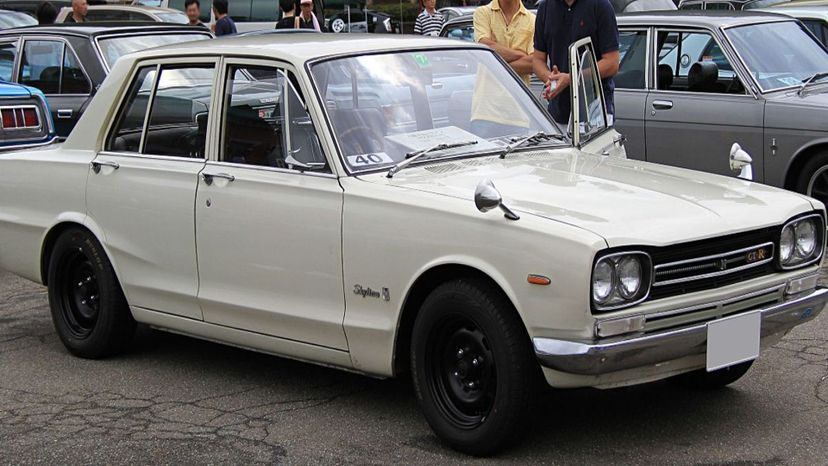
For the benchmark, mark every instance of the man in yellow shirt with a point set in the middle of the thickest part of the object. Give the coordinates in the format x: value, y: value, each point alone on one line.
x: 509, y: 29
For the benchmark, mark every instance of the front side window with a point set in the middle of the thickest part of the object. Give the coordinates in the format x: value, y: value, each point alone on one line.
x: 633, y: 51
x: 779, y: 55
x: 383, y: 107
x: 8, y: 52
x: 694, y: 62
x: 176, y: 126
x: 265, y: 121
x: 591, y: 115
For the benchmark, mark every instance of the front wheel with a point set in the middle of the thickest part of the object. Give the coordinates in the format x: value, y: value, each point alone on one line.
x: 472, y: 366
x: 813, y: 180
x: 88, y: 308
x: 701, y: 379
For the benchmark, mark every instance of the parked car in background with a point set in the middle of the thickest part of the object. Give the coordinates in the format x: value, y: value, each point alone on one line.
x: 257, y: 210
x: 25, y: 120
x: 759, y: 80
x: 632, y: 6
x: 813, y: 14
x: 126, y: 13
x: 30, y: 6
x: 451, y: 12
x: 726, y: 5
x: 15, y: 19
x: 69, y: 61
x: 362, y: 21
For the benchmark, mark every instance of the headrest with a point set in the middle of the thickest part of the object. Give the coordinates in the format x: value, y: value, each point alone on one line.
x: 665, y: 76
x: 702, y: 76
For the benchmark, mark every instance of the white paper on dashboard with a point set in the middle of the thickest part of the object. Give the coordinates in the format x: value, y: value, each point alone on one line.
x: 421, y: 140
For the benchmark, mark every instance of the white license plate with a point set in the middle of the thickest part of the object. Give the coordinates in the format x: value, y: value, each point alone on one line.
x: 733, y: 340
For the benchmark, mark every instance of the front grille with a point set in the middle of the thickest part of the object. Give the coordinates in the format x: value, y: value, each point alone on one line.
x: 708, y: 264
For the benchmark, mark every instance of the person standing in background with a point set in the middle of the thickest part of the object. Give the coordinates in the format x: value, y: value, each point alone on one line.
x: 559, y: 24
x: 223, y: 25
x: 193, y: 10
x: 289, y: 19
x: 429, y: 21
x: 508, y: 28
x: 307, y: 14
x: 46, y: 13
x: 79, y: 9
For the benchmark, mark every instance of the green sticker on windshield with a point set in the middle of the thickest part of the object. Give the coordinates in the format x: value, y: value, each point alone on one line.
x: 421, y: 60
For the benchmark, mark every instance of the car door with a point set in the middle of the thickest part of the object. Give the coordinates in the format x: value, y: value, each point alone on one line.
x: 268, y: 214
x: 51, y: 65
x: 141, y: 188
x: 700, y: 106
x: 631, y: 89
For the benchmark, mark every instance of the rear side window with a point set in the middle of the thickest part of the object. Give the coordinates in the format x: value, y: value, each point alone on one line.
x: 52, y: 67
x: 126, y: 136
x: 8, y: 52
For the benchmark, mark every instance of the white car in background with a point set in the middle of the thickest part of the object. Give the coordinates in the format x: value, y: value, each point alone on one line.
x: 126, y: 13
x: 226, y: 193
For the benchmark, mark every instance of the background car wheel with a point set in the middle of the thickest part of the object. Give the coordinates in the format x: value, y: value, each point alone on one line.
x: 712, y: 380
x: 338, y: 25
x: 88, y: 308
x: 813, y: 180
x: 473, y: 368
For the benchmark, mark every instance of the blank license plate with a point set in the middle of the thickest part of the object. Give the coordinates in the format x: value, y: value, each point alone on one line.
x: 733, y: 340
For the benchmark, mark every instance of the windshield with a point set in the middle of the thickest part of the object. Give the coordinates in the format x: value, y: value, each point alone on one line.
x: 178, y: 18
x: 385, y: 106
x: 113, y: 48
x: 778, y: 55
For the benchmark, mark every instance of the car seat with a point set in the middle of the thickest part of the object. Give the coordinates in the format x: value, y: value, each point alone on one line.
x: 665, y: 77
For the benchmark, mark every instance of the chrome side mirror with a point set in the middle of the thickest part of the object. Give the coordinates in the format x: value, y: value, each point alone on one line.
x: 487, y: 197
x: 302, y: 166
x: 741, y: 161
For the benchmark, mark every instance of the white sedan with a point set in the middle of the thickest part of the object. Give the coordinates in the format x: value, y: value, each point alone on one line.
x: 338, y: 200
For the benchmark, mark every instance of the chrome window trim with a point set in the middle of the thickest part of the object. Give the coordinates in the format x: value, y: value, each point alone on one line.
x: 719, y: 302
x: 100, y: 54
x: 24, y: 106
x: 739, y: 56
x: 712, y: 257
x: 136, y: 155
x: 598, y: 258
x: 816, y: 258
x: 266, y: 168
x: 66, y: 44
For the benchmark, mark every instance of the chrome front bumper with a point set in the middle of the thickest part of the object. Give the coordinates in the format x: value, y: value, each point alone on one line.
x: 610, y: 355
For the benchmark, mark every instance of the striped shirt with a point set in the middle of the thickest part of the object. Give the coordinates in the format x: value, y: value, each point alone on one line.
x: 428, y: 25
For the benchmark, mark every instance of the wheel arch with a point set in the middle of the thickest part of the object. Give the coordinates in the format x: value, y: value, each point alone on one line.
x: 54, y: 233
x: 422, y: 286
x: 800, y: 158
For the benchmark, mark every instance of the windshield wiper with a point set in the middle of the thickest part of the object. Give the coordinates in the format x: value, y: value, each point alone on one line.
x: 412, y: 156
x: 810, y: 79
x: 517, y: 142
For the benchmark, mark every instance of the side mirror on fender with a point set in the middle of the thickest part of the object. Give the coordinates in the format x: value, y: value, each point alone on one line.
x: 741, y: 162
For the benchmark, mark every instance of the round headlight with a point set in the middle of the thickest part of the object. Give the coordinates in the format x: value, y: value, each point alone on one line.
x: 602, y: 282
x: 628, y: 270
x: 806, y: 238
x: 786, y: 245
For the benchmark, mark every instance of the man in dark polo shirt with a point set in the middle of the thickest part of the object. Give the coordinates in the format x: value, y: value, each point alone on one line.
x: 560, y: 23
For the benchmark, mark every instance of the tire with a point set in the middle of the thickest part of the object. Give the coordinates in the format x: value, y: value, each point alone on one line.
x: 89, y: 310
x: 701, y: 379
x: 813, y: 179
x: 476, y: 408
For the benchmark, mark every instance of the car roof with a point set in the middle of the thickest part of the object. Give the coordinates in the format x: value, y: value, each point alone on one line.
x: 145, y: 8
x: 299, y: 48
x: 103, y: 28
x: 699, y: 18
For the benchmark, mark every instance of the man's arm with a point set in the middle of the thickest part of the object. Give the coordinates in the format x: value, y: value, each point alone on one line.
x: 539, y: 65
x: 508, y: 54
x: 608, y: 64
x: 522, y: 65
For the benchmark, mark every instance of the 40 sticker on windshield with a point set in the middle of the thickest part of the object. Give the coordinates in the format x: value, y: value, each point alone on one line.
x: 368, y: 160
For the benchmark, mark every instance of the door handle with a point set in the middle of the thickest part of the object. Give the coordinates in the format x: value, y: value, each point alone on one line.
x: 208, y: 177
x: 96, y: 165
x: 662, y: 104
x: 64, y: 113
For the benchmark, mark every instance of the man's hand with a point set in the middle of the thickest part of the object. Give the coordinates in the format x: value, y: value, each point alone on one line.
x: 562, y: 82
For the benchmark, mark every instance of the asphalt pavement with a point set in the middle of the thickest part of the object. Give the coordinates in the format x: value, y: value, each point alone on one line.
x: 177, y: 400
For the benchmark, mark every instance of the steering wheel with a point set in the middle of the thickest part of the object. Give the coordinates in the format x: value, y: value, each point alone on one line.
x: 371, y: 140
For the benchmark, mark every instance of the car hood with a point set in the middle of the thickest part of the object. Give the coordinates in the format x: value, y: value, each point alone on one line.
x: 624, y: 201
x: 806, y: 112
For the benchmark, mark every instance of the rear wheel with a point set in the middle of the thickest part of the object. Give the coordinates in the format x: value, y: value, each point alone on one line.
x: 88, y: 308
x: 719, y: 378
x: 813, y: 180
x: 473, y: 369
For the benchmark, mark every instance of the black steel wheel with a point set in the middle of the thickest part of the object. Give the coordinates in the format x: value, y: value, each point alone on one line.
x: 88, y: 308
x: 813, y: 180
x: 473, y: 368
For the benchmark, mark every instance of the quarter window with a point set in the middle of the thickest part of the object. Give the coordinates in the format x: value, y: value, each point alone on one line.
x: 52, y: 67
x: 8, y: 52
x: 266, y: 123
x: 176, y: 124
x: 633, y: 51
